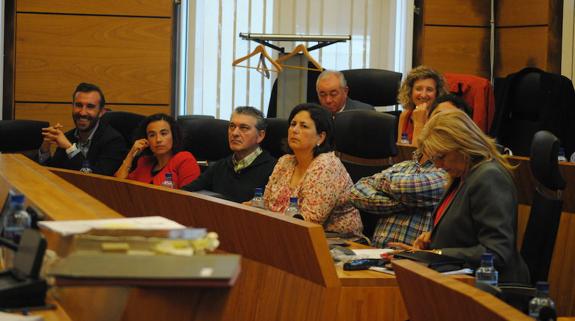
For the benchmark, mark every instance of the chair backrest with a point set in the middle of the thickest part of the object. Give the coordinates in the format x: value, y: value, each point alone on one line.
x: 367, y: 135
x: 20, y: 135
x: 205, y: 138
x: 376, y: 87
x: 541, y: 231
x: 430, y: 296
x: 276, y: 136
x: 365, y: 140
x: 195, y: 116
x: 477, y: 93
x: 125, y: 123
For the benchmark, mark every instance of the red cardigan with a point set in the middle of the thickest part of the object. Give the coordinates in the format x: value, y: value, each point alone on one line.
x: 183, y: 167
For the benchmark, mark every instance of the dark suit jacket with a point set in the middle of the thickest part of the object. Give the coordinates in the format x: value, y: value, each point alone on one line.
x: 106, y: 153
x: 351, y: 104
x: 483, y: 217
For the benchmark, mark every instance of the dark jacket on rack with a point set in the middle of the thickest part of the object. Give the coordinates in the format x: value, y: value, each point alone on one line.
x: 532, y: 100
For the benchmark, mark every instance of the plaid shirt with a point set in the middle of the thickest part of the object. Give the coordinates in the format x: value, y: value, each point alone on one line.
x: 405, y: 195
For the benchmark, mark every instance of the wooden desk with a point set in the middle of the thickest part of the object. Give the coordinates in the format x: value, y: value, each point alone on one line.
x: 287, y: 272
x: 430, y: 296
x: 60, y: 200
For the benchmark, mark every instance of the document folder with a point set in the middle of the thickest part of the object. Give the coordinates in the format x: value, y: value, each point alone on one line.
x: 81, y: 269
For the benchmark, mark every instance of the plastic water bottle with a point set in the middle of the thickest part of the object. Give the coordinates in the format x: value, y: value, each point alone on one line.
x: 168, y: 181
x: 293, y: 209
x: 561, y: 156
x: 258, y: 200
x: 540, y: 300
x: 86, y: 167
x: 15, y: 220
x: 486, y: 273
x: 404, y: 139
x: 572, y: 158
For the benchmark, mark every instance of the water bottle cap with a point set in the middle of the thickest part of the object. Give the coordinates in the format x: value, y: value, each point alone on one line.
x: 293, y: 200
x: 17, y: 198
x: 168, y: 175
x: 85, y: 162
x: 542, y: 286
x: 487, y: 256
x: 259, y: 191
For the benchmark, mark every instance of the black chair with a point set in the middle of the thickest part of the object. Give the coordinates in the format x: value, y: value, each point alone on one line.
x: 276, y: 136
x: 368, y: 135
x: 376, y: 87
x: 125, y: 123
x: 365, y: 140
x: 206, y: 138
x: 195, y: 116
x: 544, y: 218
x: 21, y: 135
x: 541, y: 231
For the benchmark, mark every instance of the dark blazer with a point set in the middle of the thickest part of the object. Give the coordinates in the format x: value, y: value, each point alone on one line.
x: 351, y: 104
x: 106, y: 153
x: 483, y: 217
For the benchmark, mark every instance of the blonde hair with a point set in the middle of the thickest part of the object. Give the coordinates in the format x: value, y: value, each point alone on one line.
x: 418, y: 73
x: 453, y: 130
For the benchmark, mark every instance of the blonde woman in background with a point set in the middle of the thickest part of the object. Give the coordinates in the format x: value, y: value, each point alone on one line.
x: 416, y: 94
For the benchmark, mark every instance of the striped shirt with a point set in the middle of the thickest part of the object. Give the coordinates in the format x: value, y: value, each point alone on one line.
x: 405, y: 196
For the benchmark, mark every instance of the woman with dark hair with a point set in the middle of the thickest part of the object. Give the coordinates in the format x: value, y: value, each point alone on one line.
x: 312, y: 173
x: 159, y: 144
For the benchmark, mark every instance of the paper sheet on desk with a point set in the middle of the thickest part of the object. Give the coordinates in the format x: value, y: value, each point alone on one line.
x: 136, y: 223
x: 371, y: 253
x: 388, y: 271
x: 19, y: 317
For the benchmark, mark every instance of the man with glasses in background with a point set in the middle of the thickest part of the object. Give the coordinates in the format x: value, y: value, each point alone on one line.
x: 332, y: 91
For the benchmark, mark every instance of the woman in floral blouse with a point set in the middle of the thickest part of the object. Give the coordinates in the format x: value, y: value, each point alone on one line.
x: 312, y: 173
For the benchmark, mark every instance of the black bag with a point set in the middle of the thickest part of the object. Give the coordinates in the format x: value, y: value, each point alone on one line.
x: 437, y: 262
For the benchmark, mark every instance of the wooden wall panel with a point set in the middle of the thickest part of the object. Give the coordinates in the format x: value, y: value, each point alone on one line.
x: 522, y: 12
x: 454, y: 49
x: 528, y: 33
x: 519, y: 48
x: 129, y: 58
x: 456, y: 12
x: 106, y: 7
x: 62, y: 113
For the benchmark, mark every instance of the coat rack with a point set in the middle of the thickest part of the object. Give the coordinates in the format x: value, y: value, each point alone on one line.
x: 292, y: 80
